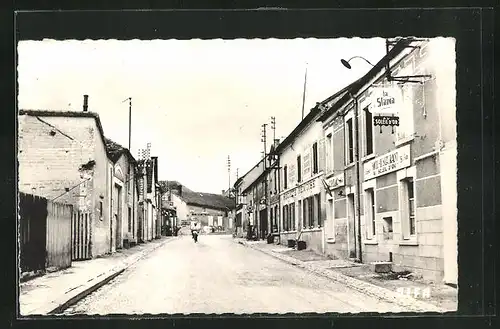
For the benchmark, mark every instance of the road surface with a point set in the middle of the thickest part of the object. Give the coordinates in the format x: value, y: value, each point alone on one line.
x: 217, y: 275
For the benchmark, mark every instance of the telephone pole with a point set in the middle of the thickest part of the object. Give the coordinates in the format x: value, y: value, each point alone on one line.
x: 129, y: 121
x: 304, y: 93
x: 263, y: 139
x: 229, y: 171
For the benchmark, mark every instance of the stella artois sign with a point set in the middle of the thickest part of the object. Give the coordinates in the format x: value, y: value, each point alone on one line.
x: 386, y: 100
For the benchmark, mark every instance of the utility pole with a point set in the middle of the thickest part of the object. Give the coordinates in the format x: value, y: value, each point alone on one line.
x: 229, y: 171
x: 263, y: 139
x: 304, y: 93
x: 129, y: 121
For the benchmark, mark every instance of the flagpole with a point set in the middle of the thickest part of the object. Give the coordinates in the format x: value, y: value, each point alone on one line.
x: 304, y: 93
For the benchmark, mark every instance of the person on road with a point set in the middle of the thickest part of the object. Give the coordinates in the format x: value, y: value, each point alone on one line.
x: 195, y: 231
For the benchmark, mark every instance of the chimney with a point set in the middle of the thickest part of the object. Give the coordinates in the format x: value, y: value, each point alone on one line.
x: 85, y: 103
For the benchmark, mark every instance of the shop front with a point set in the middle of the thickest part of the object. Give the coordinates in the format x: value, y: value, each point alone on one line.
x: 303, y: 214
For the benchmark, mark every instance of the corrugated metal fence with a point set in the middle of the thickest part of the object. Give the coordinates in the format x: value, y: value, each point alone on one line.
x: 59, y: 235
x: 81, y: 232
x: 45, y: 233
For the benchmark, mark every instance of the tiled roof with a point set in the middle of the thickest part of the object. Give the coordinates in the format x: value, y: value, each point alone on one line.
x: 201, y: 199
x: 115, y: 150
x: 207, y: 200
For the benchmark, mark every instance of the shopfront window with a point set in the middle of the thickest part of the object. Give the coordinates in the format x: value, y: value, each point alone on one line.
x: 408, y: 208
x: 310, y: 211
x: 318, y: 209
x: 285, y: 218
x: 370, y: 213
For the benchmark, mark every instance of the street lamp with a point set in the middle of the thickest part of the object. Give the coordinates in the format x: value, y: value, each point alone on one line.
x: 346, y: 62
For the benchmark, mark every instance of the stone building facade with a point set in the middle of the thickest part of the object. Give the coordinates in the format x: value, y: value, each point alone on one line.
x: 406, y: 192
x: 62, y: 156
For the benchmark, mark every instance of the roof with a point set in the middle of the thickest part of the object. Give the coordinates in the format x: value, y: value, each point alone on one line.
x: 257, y: 180
x: 207, y: 200
x: 315, y: 111
x: 172, y: 184
x: 77, y: 114
x: 357, y: 85
x: 115, y: 150
x: 252, y: 175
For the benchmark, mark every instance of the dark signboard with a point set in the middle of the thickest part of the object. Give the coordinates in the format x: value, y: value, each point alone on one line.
x: 385, y: 120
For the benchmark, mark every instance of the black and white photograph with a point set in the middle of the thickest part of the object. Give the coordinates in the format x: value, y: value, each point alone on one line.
x: 301, y: 175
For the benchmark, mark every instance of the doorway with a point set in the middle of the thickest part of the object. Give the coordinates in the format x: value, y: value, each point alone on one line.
x: 351, y: 235
x: 118, y: 214
x: 263, y: 223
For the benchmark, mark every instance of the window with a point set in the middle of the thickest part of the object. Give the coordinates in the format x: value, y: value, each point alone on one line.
x: 318, y: 209
x: 100, y: 210
x: 129, y: 220
x: 315, y: 158
x: 271, y: 215
x: 370, y: 213
x: 285, y: 177
x: 329, y: 153
x: 310, y: 211
x: 299, y: 214
x: 368, y: 132
x: 299, y: 169
x: 305, y: 220
x: 285, y: 218
x: 275, y: 179
x: 411, y: 206
x: 350, y: 142
x: 291, y: 209
x: 277, y: 215
x: 408, y: 208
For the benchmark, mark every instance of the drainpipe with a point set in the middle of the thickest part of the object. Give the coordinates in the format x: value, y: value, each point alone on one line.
x: 279, y: 199
x: 358, y: 183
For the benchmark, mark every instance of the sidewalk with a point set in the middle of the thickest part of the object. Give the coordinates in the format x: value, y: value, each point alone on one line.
x: 51, y: 293
x: 432, y: 297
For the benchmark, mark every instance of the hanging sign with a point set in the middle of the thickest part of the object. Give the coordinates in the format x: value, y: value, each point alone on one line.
x: 335, y: 181
x: 385, y: 120
x: 386, y: 100
x: 389, y: 162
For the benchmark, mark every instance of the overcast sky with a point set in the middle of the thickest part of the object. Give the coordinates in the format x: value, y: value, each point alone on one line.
x: 195, y: 101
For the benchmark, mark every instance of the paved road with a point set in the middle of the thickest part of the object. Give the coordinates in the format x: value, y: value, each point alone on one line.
x: 217, y: 275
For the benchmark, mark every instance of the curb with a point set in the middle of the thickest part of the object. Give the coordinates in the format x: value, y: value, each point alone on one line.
x: 110, y: 275
x: 370, y: 289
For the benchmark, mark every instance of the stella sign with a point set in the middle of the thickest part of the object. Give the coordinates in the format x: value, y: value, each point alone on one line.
x: 389, y: 162
x: 386, y: 100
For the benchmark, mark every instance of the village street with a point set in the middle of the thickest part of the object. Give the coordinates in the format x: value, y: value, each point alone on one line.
x: 217, y: 275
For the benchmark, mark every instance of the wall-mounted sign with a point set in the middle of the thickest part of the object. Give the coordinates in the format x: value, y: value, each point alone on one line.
x: 289, y: 194
x: 385, y: 120
x: 336, y: 181
x: 386, y: 100
x: 274, y: 199
x: 307, y: 186
x: 389, y: 162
